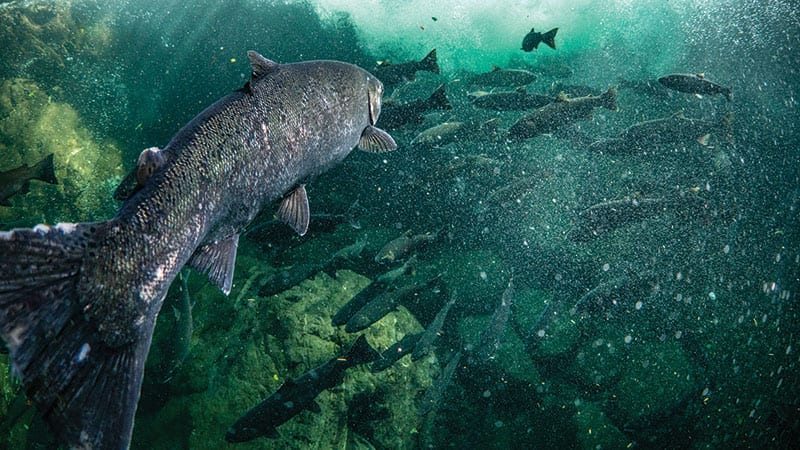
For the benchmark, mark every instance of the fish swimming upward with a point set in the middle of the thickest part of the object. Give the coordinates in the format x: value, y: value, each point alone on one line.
x: 532, y: 40
x: 17, y: 181
x: 78, y: 301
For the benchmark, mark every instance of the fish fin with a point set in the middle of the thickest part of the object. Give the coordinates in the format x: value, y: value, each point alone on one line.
x: 375, y: 140
x: 217, y: 260
x: 294, y: 210
x: 521, y: 90
x: 610, y: 98
x: 151, y: 160
x: 314, y: 407
x: 260, y: 65
x: 549, y: 38
x: 86, y: 390
x: 361, y: 352
x: 439, y: 100
x: 45, y: 170
x: 429, y: 62
x: 127, y: 187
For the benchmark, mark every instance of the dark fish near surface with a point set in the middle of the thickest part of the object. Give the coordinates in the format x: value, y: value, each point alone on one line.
x: 518, y: 100
x: 677, y: 129
x: 78, y: 302
x: 425, y: 343
x: 17, y: 181
x: 396, y: 115
x: 393, y: 354
x: 498, y: 77
x: 695, y: 84
x: 393, y: 74
x: 562, y: 112
x: 534, y: 38
x: 298, y: 394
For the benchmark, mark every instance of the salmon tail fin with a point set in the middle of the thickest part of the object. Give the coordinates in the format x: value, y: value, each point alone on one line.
x: 549, y: 38
x: 86, y: 390
x: 45, y: 170
x: 429, y: 62
x: 439, y: 100
x: 610, y: 98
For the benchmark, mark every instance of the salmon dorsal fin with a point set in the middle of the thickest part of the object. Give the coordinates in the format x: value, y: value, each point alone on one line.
x: 260, y: 65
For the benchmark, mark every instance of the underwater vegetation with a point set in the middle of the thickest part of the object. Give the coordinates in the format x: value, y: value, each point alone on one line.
x: 627, y: 279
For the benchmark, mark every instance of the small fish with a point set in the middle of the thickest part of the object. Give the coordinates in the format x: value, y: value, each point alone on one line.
x: 518, y: 100
x: 395, y: 115
x: 394, y: 74
x: 675, y: 130
x: 492, y: 335
x: 298, y: 394
x: 372, y: 290
x: 425, y: 343
x: 449, y: 132
x: 695, y: 84
x: 563, y: 111
x: 434, y: 395
x: 605, y: 217
x: 384, y: 303
x: 498, y: 77
x: 534, y: 38
x: 17, y: 181
x: 393, y: 354
x: 401, y: 247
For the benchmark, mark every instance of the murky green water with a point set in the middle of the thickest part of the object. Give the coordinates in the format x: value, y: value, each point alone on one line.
x: 655, y: 288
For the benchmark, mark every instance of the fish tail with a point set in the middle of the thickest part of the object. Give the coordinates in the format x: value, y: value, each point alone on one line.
x: 45, y: 170
x: 439, y: 100
x: 429, y: 62
x: 361, y: 352
x: 609, y: 99
x: 85, y: 389
x: 549, y: 38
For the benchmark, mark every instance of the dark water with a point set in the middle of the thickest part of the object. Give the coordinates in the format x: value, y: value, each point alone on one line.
x: 673, y: 327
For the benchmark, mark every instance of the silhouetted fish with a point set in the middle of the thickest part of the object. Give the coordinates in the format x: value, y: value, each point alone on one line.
x: 562, y: 112
x: 396, y: 115
x: 695, y: 84
x: 17, y: 181
x: 298, y: 394
x: 518, y: 100
x: 533, y: 39
x: 498, y: 77
x: 393, y: 74
x: 78, y: 302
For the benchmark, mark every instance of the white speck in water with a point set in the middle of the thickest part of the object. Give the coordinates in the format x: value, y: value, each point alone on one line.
x: 498, y: 424
x: 705, y: 392
x: 487, y: 393
x: 83, y: 352
x: 638, y: 305
x: 606, y: 266
x: 726, y: 249
x: 628, y: 339
x: 540, y: 333
x: 678, y: 334
x: 712, y: 295
x: 483, y: 275
x: 788, y: 349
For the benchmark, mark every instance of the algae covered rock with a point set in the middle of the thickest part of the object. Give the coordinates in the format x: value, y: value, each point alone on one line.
x: 33, y: 126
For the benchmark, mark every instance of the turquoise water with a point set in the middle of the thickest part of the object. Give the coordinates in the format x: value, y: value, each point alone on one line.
x: 673, y: 328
